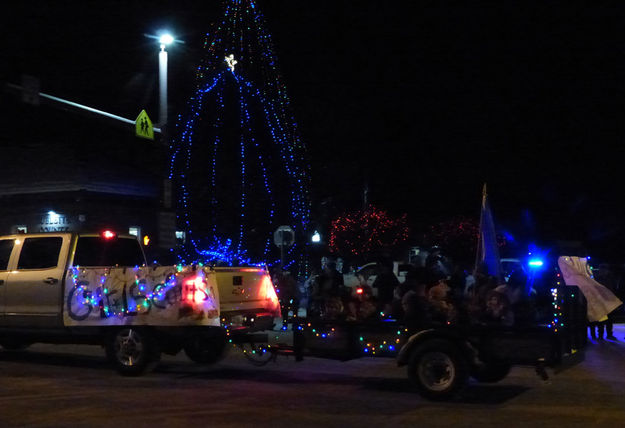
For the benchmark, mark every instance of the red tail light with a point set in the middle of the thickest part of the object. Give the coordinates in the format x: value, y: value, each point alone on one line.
x: 270, y: 294
x: 359, y: 290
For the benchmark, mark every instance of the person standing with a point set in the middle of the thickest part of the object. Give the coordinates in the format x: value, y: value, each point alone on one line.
x: 287, y: 294
x: 385, y: 282
x: 605, y: 277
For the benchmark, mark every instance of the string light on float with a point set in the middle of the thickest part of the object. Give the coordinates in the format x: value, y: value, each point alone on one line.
x: 371, y: 344
x: 384, y: 345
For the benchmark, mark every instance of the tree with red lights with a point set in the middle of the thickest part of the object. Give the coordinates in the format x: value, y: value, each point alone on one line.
x: 458, y: 238
x: 364, y: 232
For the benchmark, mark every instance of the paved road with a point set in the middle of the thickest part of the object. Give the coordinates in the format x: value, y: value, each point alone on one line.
x: 73, y: 386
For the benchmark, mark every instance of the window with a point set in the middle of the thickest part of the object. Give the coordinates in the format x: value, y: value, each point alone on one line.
x: 181, y: 237
x: 40, y: 253
x: 6, y: 246
x: 96, y: 251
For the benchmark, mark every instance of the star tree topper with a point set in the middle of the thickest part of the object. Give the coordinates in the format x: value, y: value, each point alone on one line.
x: 231, y: 62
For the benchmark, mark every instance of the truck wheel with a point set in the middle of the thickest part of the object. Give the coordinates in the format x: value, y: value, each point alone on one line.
x: 133, y: 351
x: 437, y: 369
x: 204, y: 350
x: 491, y: 372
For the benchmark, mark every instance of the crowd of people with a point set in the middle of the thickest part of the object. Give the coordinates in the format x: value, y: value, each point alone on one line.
x: 431, y: 294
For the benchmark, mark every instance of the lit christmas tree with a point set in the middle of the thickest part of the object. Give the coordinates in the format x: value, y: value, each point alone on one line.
x: 237, y: 161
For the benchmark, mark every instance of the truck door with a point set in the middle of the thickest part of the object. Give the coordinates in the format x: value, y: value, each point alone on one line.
x: 34, y: 290
x: 6, y: 248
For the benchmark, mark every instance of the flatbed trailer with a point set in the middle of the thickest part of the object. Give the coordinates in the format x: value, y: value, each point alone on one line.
x: 441, y: 358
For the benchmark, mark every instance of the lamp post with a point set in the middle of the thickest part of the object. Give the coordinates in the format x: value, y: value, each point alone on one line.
x: 164, y: 40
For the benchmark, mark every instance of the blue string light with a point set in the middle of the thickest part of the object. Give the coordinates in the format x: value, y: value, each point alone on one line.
x: 266, y: 126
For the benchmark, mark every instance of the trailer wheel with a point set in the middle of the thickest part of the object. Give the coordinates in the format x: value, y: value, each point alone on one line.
x: 491, y: 372
x: 438, y: 369
x: 257, y: 354
x: 133, y: 351
x: 205, y: 350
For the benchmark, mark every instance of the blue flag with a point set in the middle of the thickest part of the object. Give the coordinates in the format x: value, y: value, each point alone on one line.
x: 487, y: 259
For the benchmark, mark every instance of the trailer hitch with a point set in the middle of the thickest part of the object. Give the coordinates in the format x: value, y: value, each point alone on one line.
x: 541, y: 369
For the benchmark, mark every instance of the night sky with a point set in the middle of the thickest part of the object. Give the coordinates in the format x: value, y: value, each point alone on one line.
x: 422, y: 101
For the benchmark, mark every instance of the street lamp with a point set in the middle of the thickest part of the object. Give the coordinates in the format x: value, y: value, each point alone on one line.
x: 165, y: 40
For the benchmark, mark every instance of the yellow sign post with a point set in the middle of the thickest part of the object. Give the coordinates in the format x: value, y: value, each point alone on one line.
x: 143, y: 126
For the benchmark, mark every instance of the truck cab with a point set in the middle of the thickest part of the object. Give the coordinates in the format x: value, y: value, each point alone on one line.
x: 33, y: 268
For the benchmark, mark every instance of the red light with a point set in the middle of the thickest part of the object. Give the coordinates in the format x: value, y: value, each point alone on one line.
x: 107, y: 234
x: 270, y: 294
x: 194, y: 289
x: 359, y: 290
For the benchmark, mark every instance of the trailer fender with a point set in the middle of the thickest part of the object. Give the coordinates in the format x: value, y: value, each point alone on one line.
x: 403, y: 357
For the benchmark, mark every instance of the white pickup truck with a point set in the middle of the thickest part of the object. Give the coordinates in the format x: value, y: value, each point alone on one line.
x: 97, y: 289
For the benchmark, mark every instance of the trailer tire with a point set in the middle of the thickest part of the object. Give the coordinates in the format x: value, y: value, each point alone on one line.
x: 205, y: 350
x: 133, y: 351
x: 438, y: 369
x: 257, y: 354
x: 491, y: 372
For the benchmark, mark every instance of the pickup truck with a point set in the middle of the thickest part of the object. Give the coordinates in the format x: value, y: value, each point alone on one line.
x: 367, y: 273
x: 97, y: 289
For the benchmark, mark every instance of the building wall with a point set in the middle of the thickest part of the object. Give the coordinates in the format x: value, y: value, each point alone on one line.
x: 67, y: 171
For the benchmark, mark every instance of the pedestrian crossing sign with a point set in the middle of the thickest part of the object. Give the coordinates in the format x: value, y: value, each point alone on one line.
x: 143, y: 126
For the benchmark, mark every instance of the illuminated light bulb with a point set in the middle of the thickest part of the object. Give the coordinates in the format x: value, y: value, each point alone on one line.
x: 231, y: 62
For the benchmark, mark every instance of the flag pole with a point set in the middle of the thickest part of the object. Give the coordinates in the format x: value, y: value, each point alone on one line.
x: 479, y: 249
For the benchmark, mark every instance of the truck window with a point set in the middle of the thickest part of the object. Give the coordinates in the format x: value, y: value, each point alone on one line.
x: 6, y: 246
x: 97, y: 251
x: 40, y: 253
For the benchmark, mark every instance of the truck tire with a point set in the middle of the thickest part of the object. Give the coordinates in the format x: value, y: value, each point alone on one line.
x: 133, y: 351
x: 205, y: 350
x: 491, y: 372
x: 438, y: 369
